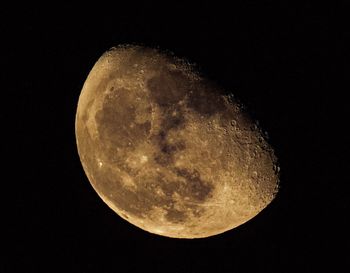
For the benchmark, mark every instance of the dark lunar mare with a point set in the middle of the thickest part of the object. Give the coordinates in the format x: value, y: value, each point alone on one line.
x: 166, y: 90
x: 115, y: 130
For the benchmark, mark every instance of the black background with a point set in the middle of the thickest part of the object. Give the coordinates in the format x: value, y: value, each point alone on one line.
x: 279, y: 58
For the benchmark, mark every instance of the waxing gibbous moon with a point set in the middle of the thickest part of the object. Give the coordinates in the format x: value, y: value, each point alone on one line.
x: 167, y: 150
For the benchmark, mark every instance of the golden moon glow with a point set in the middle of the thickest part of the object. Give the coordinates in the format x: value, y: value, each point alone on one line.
x: 166, y: 151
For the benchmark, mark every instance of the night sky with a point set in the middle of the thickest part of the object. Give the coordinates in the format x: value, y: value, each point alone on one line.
x: 279, y: 58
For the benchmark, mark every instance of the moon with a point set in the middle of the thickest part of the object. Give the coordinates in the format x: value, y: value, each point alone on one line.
x: 167, y: 150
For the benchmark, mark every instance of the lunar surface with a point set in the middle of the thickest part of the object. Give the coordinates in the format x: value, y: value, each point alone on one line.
x: 166, y: 150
